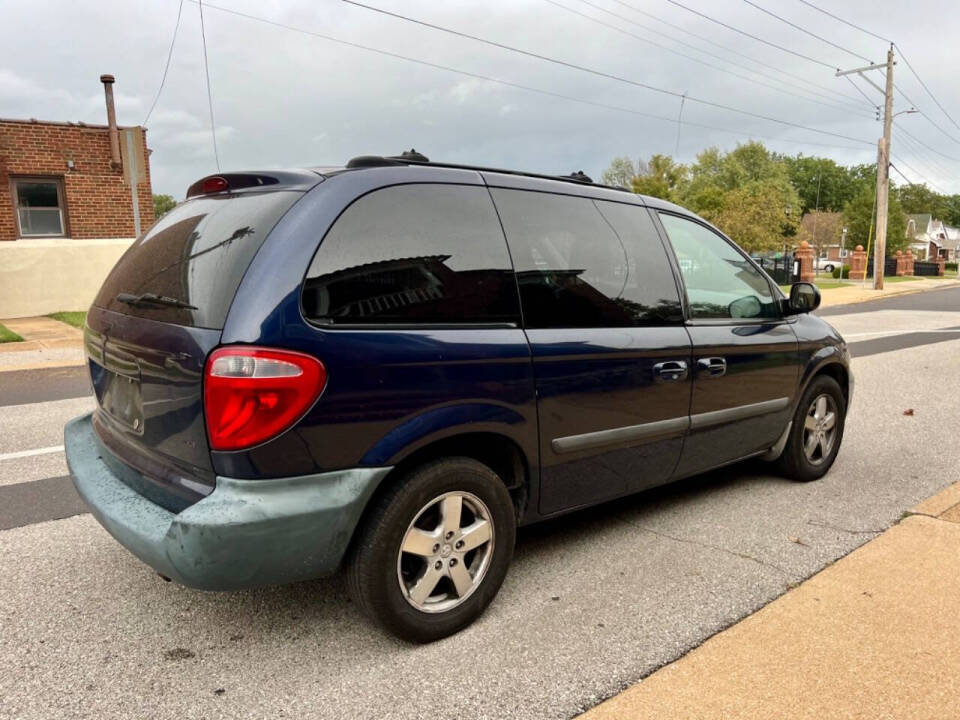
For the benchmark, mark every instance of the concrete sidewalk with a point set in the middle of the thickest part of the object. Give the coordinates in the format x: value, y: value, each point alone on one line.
x: 859, y: 292
x: 872, y: 636
x: 46, y: 343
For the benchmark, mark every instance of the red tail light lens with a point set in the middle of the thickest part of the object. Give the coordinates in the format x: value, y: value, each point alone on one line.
x: 253, y: 394
x: 214, y: 185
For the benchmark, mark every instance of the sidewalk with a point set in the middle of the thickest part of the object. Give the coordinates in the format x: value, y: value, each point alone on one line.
x: 859, y: 292
x: 872, y: 636
x: 46, y: 343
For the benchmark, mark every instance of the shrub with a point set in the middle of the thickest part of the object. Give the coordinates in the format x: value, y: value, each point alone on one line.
x: 841, y: 273
x: 950, y: 266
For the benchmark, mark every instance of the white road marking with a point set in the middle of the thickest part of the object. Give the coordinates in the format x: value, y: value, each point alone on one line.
x: 31, y: 453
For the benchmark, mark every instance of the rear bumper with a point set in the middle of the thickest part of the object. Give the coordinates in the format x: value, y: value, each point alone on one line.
x: 246, y: 533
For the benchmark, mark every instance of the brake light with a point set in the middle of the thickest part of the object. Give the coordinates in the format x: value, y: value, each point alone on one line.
x: 252, y: 394
x: 214, y: 184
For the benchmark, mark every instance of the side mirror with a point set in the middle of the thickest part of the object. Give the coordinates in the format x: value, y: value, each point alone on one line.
x: 804, y: 298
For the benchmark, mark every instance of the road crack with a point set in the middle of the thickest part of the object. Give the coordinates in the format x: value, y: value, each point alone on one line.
x: 709, y: 546
x: 844, y: 530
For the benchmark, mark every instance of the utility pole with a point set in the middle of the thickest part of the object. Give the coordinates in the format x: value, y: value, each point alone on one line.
x: 883, y: 162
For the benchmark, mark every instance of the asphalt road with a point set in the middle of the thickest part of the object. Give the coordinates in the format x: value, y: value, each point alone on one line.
x: 593, y: 601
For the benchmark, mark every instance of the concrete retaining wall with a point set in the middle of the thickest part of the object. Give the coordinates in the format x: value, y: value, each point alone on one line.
x: 38, y: 277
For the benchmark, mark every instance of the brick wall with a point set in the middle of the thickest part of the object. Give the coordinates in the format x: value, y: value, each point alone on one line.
x: 97, y: 198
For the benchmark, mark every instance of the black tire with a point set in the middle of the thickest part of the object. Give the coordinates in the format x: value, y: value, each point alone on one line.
x: 828, y: 268
x: 793, y: 462
x: 372, y: 567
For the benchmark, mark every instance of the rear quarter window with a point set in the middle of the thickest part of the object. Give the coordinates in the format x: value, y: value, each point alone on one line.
x: 197, y: 253
x: 413, y: 254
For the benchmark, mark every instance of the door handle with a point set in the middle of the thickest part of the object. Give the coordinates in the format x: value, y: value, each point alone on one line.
x: 670, y: 371
x: 712, y: 367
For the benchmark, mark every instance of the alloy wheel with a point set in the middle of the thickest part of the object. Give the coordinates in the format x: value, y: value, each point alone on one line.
x: 445, y: 552
x: 820, y: 429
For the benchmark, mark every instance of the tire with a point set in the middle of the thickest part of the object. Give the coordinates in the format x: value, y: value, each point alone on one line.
x: 795, y: 462
x: 388, y: 585
x: 828, y: 268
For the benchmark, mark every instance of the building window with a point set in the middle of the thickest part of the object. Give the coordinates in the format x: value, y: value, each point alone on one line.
x: 40, y: 206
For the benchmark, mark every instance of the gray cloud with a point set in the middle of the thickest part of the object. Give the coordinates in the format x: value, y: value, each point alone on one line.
x: 285, y: 99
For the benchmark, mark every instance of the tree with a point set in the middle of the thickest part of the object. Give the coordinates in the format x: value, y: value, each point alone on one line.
x: 821, y: 229
x: 858, y: 217
x: 620, y: 173
x: 746, y: 193
x: 753, y: 216
x: 661, y: 177
x: 162, y: 204
x: 810, y: 174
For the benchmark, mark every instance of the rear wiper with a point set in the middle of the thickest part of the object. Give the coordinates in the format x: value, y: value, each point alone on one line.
x: 153, y: 299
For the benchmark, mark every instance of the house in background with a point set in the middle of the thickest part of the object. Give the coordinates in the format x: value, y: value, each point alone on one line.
x: 73, y: 197
x: 932, y: 238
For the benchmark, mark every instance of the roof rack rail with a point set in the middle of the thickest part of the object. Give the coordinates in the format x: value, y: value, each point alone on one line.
x: 412, y: 157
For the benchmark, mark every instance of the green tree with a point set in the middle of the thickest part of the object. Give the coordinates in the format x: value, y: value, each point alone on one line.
x: 162, y: 204
x: 746, y: 193
x: 858, y: 217
x: 661, y: 177
x: 620, y: 173
x: 810, y: 174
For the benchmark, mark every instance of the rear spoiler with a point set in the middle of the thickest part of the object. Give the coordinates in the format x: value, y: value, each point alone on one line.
x: 276, y: 180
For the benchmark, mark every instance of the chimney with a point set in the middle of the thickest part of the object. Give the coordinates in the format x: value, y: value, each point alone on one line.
x: 108, y: 81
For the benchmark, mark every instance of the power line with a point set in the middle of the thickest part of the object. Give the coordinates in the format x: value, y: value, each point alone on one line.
x: 507, y: 83
x: 167, y: 66
x: 857, y: 88
x: 924, y: 86
x: 691, y: 58
x: 914, y: 171
x: 924, y: 158
x: 925, y: 116
x: 206, y: 70
x: 920, y: 142
x: 899, y: 49
x: 751, y: 35
x: 600, y: 73
x: 845, y: 22
x: 833, y: 101
x: 761, y: 63
x: 805, y: 31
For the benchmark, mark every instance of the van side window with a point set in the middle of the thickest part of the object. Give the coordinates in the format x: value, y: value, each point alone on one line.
x: 720, y: 281
x: 414, y: 254
x: 587, y: 263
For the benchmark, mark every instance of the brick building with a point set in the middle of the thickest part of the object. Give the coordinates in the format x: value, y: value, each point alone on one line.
x: 66, y: 208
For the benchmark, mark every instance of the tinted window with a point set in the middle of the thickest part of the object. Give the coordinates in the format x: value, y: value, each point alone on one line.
x: 720, y: 281
x: 586, y: 263
x: 414, y: 254
x: 197, y: 253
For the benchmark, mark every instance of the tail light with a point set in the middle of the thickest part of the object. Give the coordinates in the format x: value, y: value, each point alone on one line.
x: 253, y: 394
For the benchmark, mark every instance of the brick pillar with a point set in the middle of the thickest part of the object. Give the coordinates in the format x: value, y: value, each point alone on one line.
x: 901, y: 264
x: 858, y: 264
x: 941, y: 265
x: 908, y: 269
x: 804, y: 255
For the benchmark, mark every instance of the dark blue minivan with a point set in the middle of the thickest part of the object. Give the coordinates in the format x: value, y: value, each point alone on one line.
x: 389, y: 366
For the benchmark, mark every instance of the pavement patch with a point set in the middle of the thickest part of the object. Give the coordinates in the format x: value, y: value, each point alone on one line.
x: 19, y: 387
x: 38, y: 501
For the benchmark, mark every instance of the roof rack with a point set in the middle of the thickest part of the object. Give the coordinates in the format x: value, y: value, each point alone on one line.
x: 412, y: 157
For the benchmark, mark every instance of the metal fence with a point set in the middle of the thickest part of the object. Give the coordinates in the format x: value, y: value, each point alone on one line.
x: 781, y: 268
x: 926, y: 268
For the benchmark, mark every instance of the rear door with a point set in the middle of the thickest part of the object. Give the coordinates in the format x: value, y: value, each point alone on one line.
x: 146, y: 357
x: 745, y: 357
x: 602, y: 314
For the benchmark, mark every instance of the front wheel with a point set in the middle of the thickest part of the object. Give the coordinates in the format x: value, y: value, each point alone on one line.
x: 434, y: 549
x: 828, y: 268
x: 816, y: 432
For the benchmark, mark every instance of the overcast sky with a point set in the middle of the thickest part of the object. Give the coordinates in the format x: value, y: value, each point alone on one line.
x: 283, y: 98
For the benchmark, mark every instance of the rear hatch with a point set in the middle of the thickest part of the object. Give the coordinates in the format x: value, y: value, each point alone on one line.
x: 158, y: 315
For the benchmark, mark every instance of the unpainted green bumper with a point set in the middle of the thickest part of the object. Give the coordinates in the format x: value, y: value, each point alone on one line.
x: 246, y: 533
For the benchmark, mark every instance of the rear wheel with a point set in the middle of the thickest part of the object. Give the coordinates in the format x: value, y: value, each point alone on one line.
x: 434, y: 549
x: 816, y: 432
